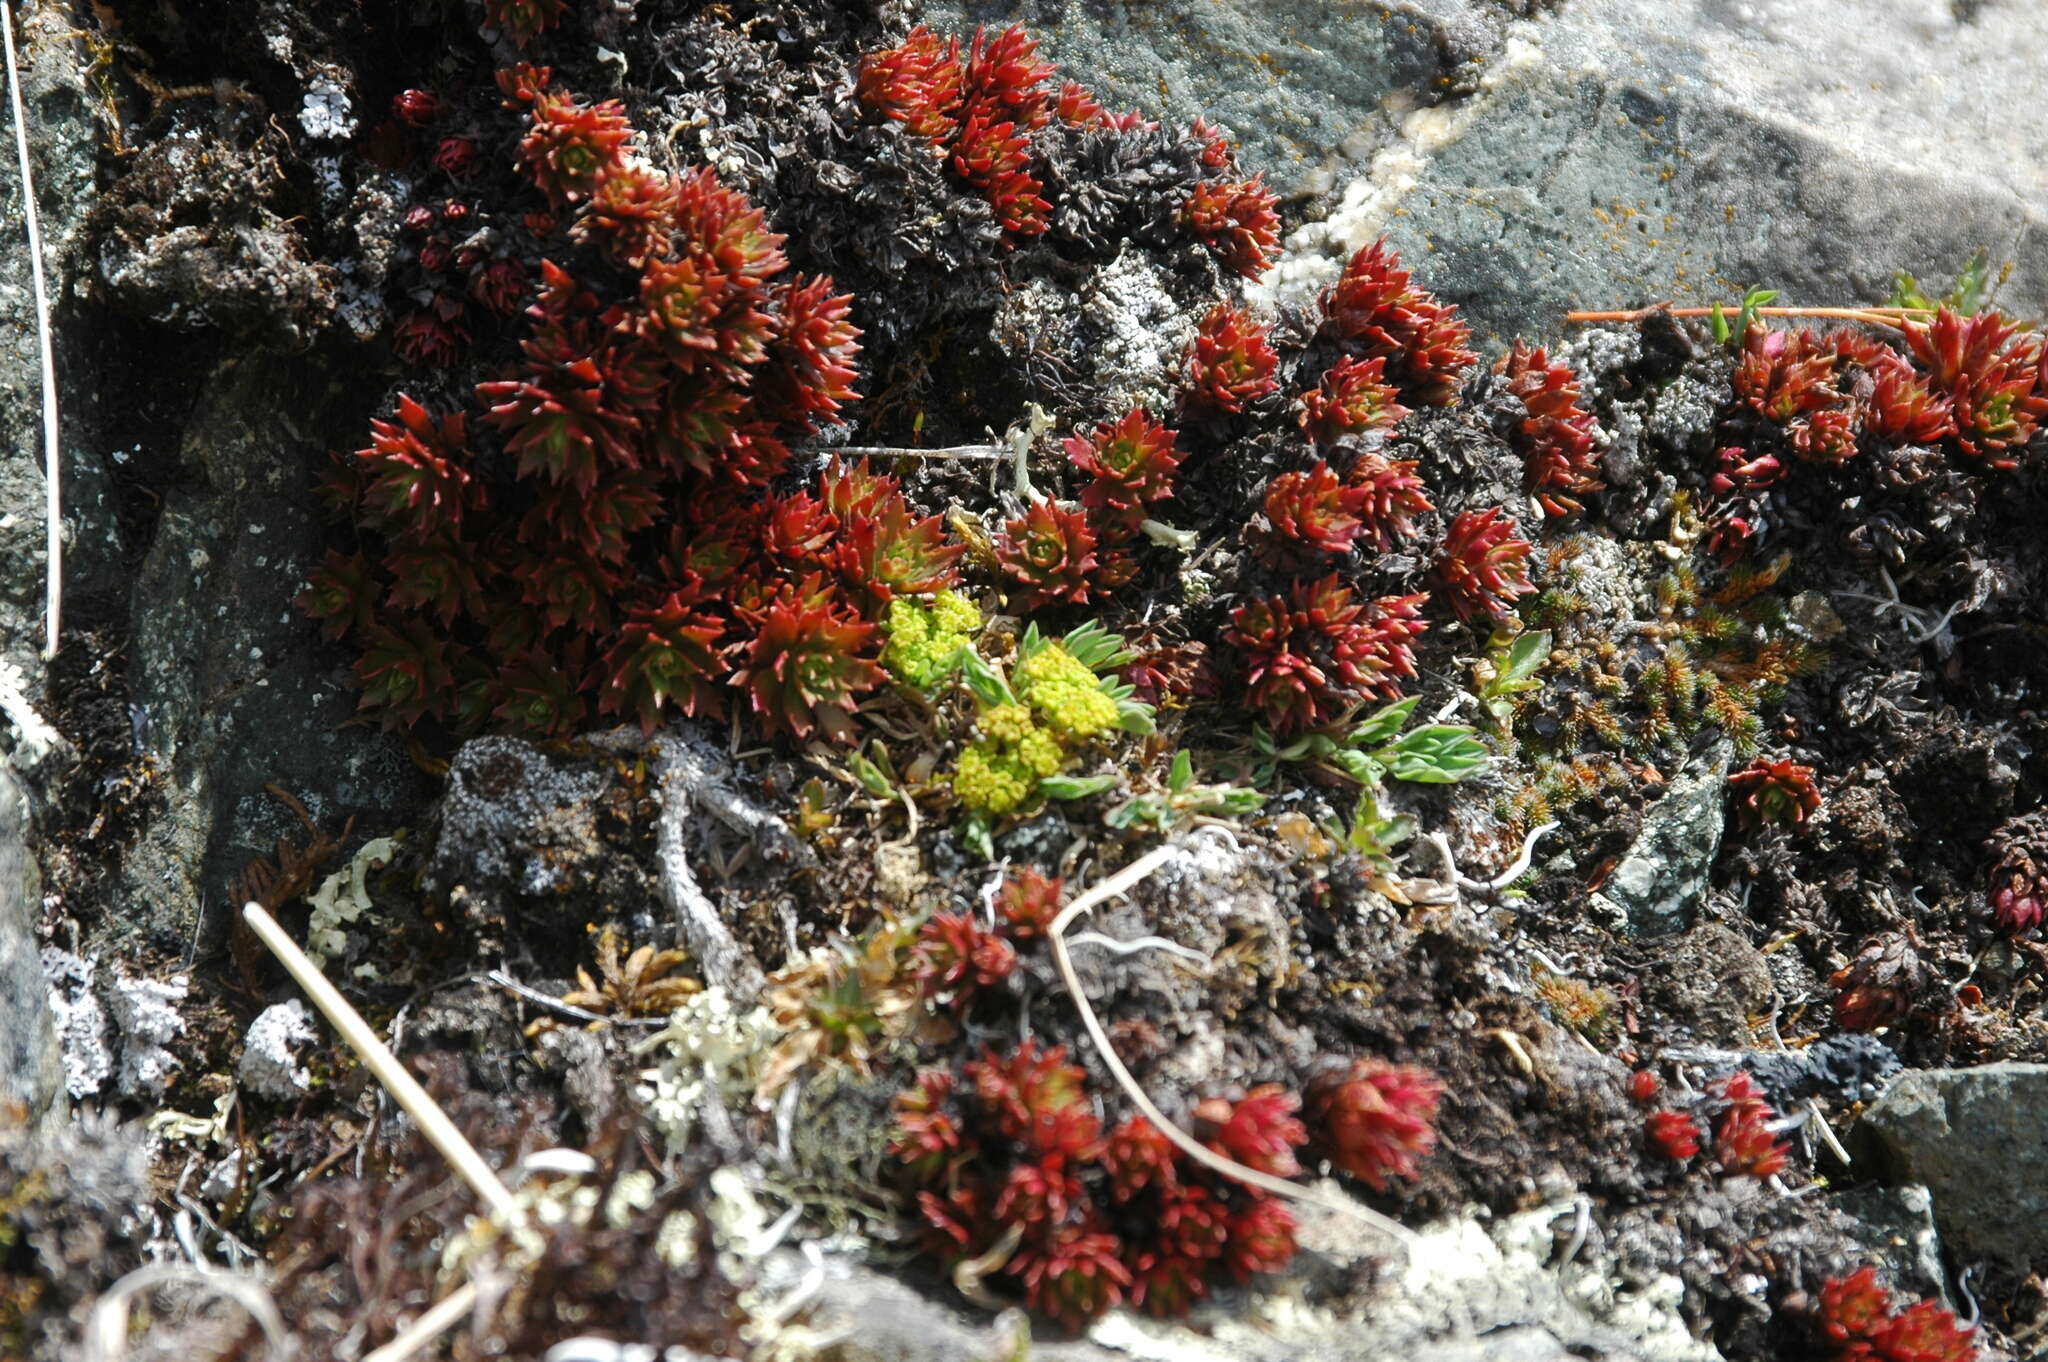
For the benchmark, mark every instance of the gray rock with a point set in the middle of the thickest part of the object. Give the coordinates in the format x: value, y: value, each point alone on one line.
x: 1975, y: 1139
x: 1662, y: 881
x: 1464, y: 1296
x: 64, y: 144
x: 31, y: 1065
x: 231, y: 689
x: 1617, y: 154
x: 1298, y: 83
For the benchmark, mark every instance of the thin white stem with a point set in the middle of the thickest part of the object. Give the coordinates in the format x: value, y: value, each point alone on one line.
x: 1136, y: 944
x: 443, y: 1315
x: 107, y: 1331
x: 377, y: 1057
x: 900, y: 452
x: 1516, y: 868
x: 1119, y: 883
x: 53, y: 509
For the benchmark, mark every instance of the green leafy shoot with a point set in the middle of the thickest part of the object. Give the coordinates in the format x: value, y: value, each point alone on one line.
x: 875, y: 772
x: 1968, y: 297
x: 1075, y: 787
x: 1745, y: 317
x: 1183, y: 798
x: 1509, y: 670
x: 977, y: 836
x: 985, y: 679
x: 1374, y: 837
x: 1375, y: 750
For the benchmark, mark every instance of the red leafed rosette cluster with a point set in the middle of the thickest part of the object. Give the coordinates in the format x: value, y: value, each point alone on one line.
x: 1375, y: 312
x: 601, y: 540
x: 1991, y: 375
x: 956, y: 957
x: 1743, y: 1140
x: 1859, y: 1323
x: 1050, y: 551
x: 1673, y: 1134
x: 1312, y: 515
x: 524, y: 20
x: 1353, y: 399
x: 1236, y: 221
x: 1011, y: 1152
x: 1782, y: 792
x: 1065, y: 554
x: 979, y: 110
x: 1483, y: 567
x: 1375, y: 1120
x: 1316, y: 652
x: 1973, y: 383
x: 2019, y: 873
x: 1555, y: 437
x: 1231, y: 364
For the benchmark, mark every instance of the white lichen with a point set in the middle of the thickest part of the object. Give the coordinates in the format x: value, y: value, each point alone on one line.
x: 709, y: 1047
x: 326, y: 114
x: 270, y: 1051
x: 145, y: 1015
x: 80, y: 1021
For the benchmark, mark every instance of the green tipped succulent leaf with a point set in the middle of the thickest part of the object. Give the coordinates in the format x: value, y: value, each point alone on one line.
x: 1439, y: 754
x: 1381, y: 727
x: 1075, y: 787
x: 985, y: 680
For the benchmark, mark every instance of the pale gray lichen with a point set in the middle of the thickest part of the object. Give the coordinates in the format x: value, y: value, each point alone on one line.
x: 80, y: 1021
x: 270, y: 1051
x: 325, y: 114
x: 145, y: 1014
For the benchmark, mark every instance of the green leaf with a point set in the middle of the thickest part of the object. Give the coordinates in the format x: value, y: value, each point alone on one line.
x: 1967, y: 297
x: 1233, y: 800
x: 1361, y: 767
x: 1382, y: 726
x: 976, y: 837
x: 1075, y: 787
x: 1144, y: 809
x: 871, y: 777
x: 1906, y: 293
x: 1440, y: 754
x: 1135, y: 718
x: 1720, y: 322
x: 1183, y: 773
x: 984, y: 680
x: 1526, y: 656
x: 1746, y: 318
x: 1095, y: 646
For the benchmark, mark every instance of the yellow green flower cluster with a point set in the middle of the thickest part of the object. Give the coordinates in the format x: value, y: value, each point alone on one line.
x: 925, y: 638
x: 1065, y: 692
x: 1061, y: 704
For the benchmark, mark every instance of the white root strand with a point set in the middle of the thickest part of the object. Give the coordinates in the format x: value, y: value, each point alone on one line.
x: 1122, y: 882
x: 53, y: 509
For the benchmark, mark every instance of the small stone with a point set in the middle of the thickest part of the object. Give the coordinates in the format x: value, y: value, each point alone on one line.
x: 1974, y: 1138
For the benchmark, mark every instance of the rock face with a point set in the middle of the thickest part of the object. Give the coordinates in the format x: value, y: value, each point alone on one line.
x: 231, y: 690
x: 30, y: 1064
x: 64, y: 141
x: 1298, y: 83
x: 1618, y: 155
x: 1974, y: 1137
x: 1662, y: 880
x: 1608, y: 154
x: 65, y: 137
